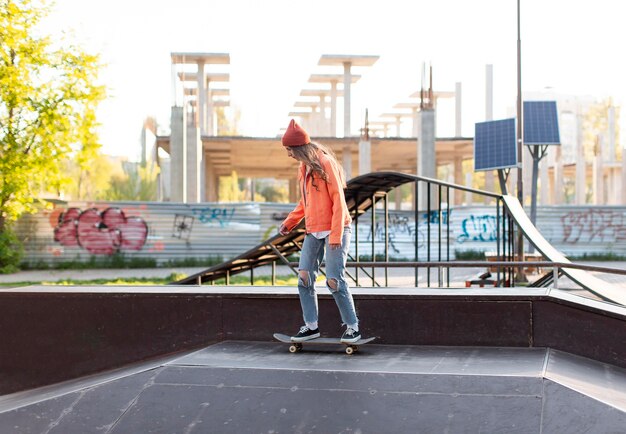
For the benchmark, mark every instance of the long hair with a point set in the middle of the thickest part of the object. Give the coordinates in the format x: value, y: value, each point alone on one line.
x: 308, y: 155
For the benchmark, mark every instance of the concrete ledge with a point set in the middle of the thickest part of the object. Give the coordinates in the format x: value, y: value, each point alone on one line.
x: 52, y: 335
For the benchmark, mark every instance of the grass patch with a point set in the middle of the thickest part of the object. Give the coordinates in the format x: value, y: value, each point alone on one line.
x: 287, y: 280
x: 608, y: 256
x: 137, y: 281
x: 469, y: 255
x: 242, y: 280
x: 119, y: 260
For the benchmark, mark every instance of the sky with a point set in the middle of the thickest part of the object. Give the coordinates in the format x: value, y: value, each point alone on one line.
x: 568, y: 46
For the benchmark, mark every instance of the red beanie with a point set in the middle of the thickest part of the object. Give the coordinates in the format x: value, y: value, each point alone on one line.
x: 295, y: 135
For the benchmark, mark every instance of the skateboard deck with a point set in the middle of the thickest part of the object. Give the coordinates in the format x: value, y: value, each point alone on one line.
x: 297, y: 346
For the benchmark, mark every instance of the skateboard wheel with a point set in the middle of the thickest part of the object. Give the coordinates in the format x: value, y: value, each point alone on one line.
x: 350, y: 350
x: 295, y: 348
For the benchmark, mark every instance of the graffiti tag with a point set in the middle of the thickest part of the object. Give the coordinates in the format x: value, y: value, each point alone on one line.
x: 100, y: 233
x: 223, y: 216
x: 478, y: 228
x: 598, y: 225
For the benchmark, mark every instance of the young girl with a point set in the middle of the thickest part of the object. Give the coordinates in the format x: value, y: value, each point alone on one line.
x: 323, y: 206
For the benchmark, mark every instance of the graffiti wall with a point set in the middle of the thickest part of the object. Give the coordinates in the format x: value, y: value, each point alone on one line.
x: 161, y: 231
x: 169, y: 231
x: 572, y: 230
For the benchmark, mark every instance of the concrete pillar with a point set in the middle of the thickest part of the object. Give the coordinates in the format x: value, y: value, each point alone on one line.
x: 597, y: 180
x: 468, y: 183
x: 489, y: 92
x: 426, y: 158
x: 293, y: 190
x: 165, y: 180
x: 323, y: 128
x: 315, y: 121
x: 458, y: 100
x: 398, y: 125
x: 623, y: 189
x: 202, y: 98
x: 458, y: 179
x: 347, y: 80
x: 209, y: 110
x: 347, y: 161
x: 250, y: 184
x: 211, y: 183
x: 489, y: 174
x: 365, y: 157
x: 178, y: 154
x: 581, y: 181
x: 558, y: 197
x: 194, y: 165
x: 398, y: 198
x: 175, y: 87
x: 333, y: 108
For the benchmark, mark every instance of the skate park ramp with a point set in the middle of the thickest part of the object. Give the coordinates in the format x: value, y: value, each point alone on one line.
x: 365, y: 191
x: 258, y: 387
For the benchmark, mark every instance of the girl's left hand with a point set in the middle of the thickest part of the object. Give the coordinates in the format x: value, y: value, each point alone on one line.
x: 335, y: 246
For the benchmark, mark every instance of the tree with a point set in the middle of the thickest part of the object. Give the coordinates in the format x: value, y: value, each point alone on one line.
x: 139, y: 182
x: 92, y: 181
x: 230, y: 189
x: 48, y: 101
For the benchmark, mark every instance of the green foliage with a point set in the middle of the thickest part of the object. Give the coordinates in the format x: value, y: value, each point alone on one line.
x: 48, y: 100
x: 172, y: 277
x: 274, y: 192
x: 288, y: 280
x: 469, y: 255
x: 119, y: 260
x: 11, y: 251
x: 138, y: 182
x: 193, y: 262
x: 607, y: 256
x: 230, y: 190
x: 90, y: 182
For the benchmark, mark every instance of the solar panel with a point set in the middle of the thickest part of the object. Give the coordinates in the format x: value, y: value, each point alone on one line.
x: 495, y: 145
x: 541, y: 126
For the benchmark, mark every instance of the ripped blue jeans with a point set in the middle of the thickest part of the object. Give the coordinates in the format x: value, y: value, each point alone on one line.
x: 310, y: 259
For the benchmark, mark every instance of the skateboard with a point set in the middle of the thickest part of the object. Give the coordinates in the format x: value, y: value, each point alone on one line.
x: 297, y: 346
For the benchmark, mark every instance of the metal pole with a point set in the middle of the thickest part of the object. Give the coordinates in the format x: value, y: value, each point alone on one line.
x: 373, y: 199
x: 448, y: 233
x: 428, y: 211
x: 386, y: 204
x: 439, y: 216
x: 416, y: 232
x: 520, y: 138
x: 520, y: 186
x: 356, y: 245
x: 498, y: 239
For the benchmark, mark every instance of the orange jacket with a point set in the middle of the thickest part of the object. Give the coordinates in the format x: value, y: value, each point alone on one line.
x: 323, y: 208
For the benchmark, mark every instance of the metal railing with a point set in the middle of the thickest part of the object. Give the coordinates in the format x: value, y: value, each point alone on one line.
x: 431, y: 204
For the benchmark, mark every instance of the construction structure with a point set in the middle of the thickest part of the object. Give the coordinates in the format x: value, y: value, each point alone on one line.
x: 588, y: 167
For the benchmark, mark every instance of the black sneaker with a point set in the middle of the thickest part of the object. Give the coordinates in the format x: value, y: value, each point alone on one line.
x: 350, y: 336
x: 306, y: 334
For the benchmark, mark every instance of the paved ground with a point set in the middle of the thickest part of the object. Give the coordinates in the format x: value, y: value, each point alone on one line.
x: 254, y: 387
x: 57, y: 275
x: 398, y: 276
